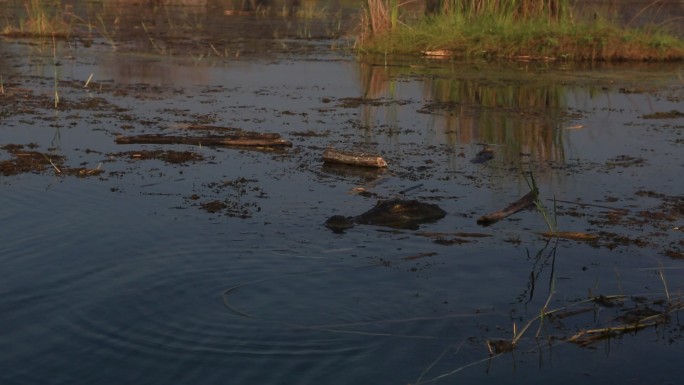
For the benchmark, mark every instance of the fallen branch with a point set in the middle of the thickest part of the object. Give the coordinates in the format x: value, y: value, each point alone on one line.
x: 248, y: 139
x: 354, y: 159
x: 521, y: 204
x: 573, y: 235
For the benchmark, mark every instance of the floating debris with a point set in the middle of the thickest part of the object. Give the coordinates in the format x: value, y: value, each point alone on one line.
x: 354, y: 158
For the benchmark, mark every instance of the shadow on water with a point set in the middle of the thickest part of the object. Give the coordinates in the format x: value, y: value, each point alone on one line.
x: 193, y: 264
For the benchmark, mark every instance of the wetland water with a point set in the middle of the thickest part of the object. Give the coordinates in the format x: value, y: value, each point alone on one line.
x: 116, y: 271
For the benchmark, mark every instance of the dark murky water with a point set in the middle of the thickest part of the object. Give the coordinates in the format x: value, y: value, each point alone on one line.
x: 123, y: 278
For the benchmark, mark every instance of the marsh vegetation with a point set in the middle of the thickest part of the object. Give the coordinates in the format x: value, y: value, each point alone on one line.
x: 517, y: 29
x: 512, y: 29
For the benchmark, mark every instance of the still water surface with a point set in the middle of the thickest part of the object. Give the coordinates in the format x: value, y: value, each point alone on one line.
x: 123, y: 279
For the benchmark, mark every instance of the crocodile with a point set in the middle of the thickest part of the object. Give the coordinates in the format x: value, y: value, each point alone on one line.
x: 395, y: 213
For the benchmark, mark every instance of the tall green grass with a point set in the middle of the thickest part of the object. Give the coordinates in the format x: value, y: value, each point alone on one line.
x: 521, y: 9
x: 545, y: 29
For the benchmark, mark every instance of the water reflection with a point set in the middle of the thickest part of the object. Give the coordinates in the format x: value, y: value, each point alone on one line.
x: 465, y: 105
x: 522, y: 118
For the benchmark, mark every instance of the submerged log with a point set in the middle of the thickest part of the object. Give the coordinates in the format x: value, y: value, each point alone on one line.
x: 521, y: 204
x: 249, y: 139
x: 353, y: 158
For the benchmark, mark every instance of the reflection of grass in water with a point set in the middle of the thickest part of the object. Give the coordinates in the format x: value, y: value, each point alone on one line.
x: 378, y: 83
x: 375, y: 80
x: 54, y: 66
x: 519, y: 115
x: 539, y: 205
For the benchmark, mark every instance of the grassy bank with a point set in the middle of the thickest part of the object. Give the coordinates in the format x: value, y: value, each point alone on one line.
x: 512, y: 29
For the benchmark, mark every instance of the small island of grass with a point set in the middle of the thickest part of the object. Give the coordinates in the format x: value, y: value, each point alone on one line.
x: 515, y: 29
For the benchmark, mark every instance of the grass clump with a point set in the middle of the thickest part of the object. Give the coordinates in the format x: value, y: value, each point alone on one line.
x: 43, y: 18
x: 513, y: 29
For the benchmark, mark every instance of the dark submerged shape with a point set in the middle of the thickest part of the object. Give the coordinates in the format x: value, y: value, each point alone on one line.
x: 484, y: 156
x: 396, y: 213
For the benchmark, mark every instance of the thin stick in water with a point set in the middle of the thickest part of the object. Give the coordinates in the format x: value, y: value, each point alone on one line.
x: 402, y: 192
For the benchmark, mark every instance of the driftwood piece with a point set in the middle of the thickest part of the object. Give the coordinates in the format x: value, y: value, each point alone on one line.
x: 521, y: 204
x: 353, y: 158
x: 248, y: 139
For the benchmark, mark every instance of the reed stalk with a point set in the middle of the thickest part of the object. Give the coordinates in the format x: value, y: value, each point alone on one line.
x: 378, y: 12
x: 55, y: 73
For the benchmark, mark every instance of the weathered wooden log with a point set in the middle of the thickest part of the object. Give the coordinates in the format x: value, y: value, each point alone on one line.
x: 521, y: 204
x: 353, y: 158
x: 248, y: 139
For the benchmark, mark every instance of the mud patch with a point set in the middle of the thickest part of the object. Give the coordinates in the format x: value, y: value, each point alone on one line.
x: 213, y: 206
x: 235, y: 198
x: 28, y: 161
x: 168, y: 156
x: 25, y: 159
x: 626, y: 161
x: 674, y: 114
x: 648, y: 226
